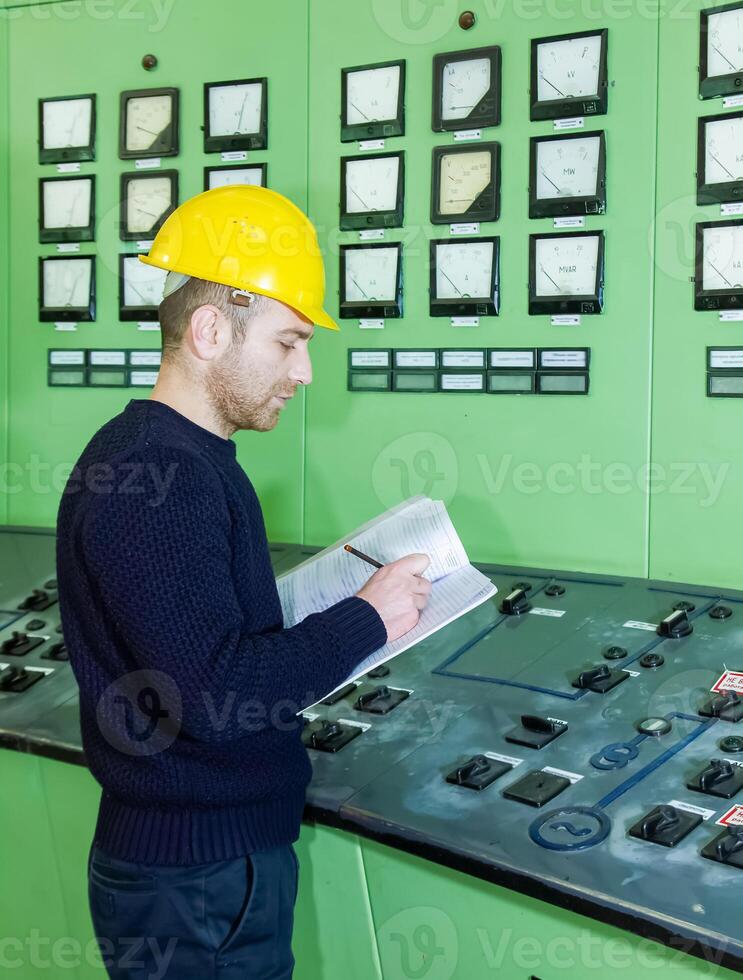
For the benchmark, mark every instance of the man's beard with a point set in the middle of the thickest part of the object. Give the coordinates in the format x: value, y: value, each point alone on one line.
x: 240, y: 402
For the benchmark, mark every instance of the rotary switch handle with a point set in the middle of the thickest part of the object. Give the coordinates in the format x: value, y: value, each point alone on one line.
x: 676, y: 625
x: 664, y: 819
x: 717, y: 772
x: 729, y: 845
x: 10, y: 675
x: 17, y: 639
x: 329, y: 730
x: 478, y: 765
x: 371, y: 696
x: 588, y: 677
x: 535, y: 723
x: 515, y: 603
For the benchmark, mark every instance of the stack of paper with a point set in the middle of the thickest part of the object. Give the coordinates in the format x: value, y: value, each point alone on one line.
x: 417, y: 525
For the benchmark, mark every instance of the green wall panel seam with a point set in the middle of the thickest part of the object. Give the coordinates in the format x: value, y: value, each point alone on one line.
x: 370, y: 910
x: 5, y: 258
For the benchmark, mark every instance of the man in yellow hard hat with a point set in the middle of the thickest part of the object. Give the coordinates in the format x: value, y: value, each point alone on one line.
x: 189, y: 684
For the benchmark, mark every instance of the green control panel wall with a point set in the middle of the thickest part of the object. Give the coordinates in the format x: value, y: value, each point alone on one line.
x: 640, y: 476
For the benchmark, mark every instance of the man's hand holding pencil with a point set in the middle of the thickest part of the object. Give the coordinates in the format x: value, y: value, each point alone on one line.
x: 397, y: 591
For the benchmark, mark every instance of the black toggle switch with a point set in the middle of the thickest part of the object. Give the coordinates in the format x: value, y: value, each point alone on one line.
x: 329, y: 736
x: 676, y: 625
x: 719, y: 778
x: 57, y: 651
x: 38, y: 600
x: 19, y: 644
x: 478, y: 772
x: 380, y: 700
x: 727, y: 847
x: 515, y: 603
x: 381, y: 671
x: 665, y: 825
x: 537, y: 788
x: 18, y: 679
x: 727, y: 706
x: 535, y: 732
x: 600, y: 679
x: 341, y: 693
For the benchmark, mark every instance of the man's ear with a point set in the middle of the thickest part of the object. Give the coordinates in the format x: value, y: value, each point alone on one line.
x: 208, y: 332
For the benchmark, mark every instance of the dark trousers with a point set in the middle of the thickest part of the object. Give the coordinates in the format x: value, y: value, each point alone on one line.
x: 226, y: 921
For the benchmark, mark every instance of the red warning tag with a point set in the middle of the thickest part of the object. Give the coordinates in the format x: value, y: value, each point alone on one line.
x: 731, y: 680
x: 733, y: 818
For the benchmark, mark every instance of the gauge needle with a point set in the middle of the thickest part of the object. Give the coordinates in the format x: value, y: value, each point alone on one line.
x: 449, y: 280
x: 726, y: 59
x: 242, y: 110
x: 72, y: 290
x: 147, y: 131
x: 720, y: 274
x: 72, y: 207
x: 360, y: 198
x: 722, y: 165
x: 358, y: 287
x: 545, y: 79
x: 358, y: 110
x: 149, y: 213
x: 549, y: 277
x: 551, y: 182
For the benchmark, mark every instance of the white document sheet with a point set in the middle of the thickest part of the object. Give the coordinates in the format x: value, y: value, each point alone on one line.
x: 417, y: 525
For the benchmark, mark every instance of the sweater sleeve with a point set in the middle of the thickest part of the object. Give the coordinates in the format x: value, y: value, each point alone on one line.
x: 160, y: 561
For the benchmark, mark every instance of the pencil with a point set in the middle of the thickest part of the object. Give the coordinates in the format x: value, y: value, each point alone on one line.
x: 362, y: 556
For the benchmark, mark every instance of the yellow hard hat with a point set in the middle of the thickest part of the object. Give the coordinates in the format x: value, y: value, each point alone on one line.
x: 248, y: 237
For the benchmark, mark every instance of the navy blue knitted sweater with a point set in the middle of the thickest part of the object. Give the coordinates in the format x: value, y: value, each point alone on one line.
x: 189, y: 683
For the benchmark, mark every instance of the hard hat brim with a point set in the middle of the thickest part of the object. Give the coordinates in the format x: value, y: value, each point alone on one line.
x: 316, y: 315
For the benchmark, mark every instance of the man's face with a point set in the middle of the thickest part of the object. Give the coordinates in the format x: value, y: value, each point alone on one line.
x: 250, y: 384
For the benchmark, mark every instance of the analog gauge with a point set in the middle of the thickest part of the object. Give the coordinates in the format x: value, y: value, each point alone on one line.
x: 464, y: 277
x: 67, y: 288
x: 373, y: 101
x: 721, y: 51
x: 67, y: 209
x: 146, y: 201
x: 567, y: 175
x: 720, y: 160
x: 372, y: 191
x: 465, y: 185
x: 566, y: 273
x: 370, y: 280
x: 140, y: 289
x: 149, y: 123
x: 568, y: 75
x: 67, y: 129
x: 466, y: 89
x: 235, y: 115
x: 223, y: 176
x: 722, y: 260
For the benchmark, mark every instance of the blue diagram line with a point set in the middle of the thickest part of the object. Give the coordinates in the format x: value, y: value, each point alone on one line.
x: 633, y: 780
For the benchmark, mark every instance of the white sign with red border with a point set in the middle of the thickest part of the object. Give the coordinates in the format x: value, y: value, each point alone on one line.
x: 733, y: 818
x: 731, y: 680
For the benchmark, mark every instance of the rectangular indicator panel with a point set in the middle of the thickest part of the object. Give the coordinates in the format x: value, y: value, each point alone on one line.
x: 369, y: 381
x: 369, y: 358
x: 415, y: 381
x: 463, y: 382
x: 503, y: 358
x: 107, y: 378
x: 463, y: 358
x: 510, y: 383
x: 106, y: 358
x: 66, y: 377
x: 725, y: 357
x: 562, y: 384
x: 57, y: 357
x: 725, y: 385
x: 416, y: 358
x: 563, y: 357
x: 144, y: 358
x: 144, y: 379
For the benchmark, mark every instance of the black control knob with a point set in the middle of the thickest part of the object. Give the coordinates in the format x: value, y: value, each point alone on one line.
x: 321, y: 736
x: 661, y: 821
x: 615, y: 653
x: 717, y: 772
x: 515, y: 603
x: 588, y: 678
x: 729, y: 845
x: 478, y: 765
x: 676, y: 625
x: 720, y: 612
x: 652, y: 660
